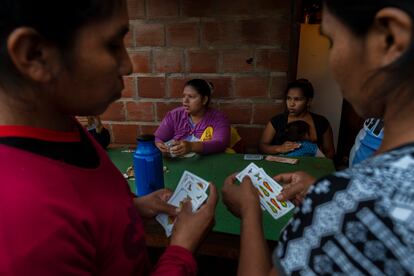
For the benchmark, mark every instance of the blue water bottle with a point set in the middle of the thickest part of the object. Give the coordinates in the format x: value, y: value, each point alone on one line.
x: 148, y: 168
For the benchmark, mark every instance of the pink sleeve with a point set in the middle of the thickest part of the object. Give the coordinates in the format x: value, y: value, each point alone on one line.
x: 221, y: 136
x: 165, y: 131
x: 176, y: 261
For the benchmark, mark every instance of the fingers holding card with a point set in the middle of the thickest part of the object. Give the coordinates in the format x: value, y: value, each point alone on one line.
x: 190, y: 188
x: 268, y: 190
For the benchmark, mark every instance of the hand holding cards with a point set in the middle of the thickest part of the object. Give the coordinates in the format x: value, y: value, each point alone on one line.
x: 268, y: 190
x: 190, y: 187
x: 172, y: 144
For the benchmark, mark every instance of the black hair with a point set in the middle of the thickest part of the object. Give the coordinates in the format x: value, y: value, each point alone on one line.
x: 359, y: 16
x: 304, y: 85
x: 203, y: 87
x: 296, y: 131
x: 57, y: 21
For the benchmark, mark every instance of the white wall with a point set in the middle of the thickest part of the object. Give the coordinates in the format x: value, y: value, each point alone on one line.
x: 313, y: 65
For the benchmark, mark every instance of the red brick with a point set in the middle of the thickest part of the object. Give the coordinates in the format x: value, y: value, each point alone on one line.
x: 176, y: 86
x: 237, y: 113
x: 202, y: 61
x: 258, y: 31
x: 263, y: 31
x: 283, y: 34
x: 136, y: 9
x: 250, y: 137
x: 238, y: 60
x: 183, y: 34
x: 147, y: 34
x: 130, y: 87
x: 251, y: 87
x: 272, y: 7
x: 163, y: 108
x: 151, y: 87
x: 221, y: 33
x: 168, y: 60
x: 191, y: 8
x: 231, y: 7
x: 272, y: 60
x: 124, y: 134
x: 222, y: 87
x: 278, y: 87
x: 264, y: 112
x: 115, y: 112
x: 139, y: 111
x: 162, y: 8
x: 141, y: 61
x: 148, y: 129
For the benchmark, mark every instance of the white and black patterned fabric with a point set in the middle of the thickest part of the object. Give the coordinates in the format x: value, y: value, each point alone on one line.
x: 356, y: 222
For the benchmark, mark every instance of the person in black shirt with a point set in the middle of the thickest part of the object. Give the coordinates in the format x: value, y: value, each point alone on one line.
x: 299, y: 95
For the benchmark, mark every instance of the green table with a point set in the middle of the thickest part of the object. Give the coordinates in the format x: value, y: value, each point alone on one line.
x: 215, y: 168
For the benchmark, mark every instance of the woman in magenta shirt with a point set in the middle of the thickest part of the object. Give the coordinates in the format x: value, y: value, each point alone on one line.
x: 194, y: 127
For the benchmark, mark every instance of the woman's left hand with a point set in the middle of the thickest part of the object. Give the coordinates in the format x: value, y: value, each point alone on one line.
x: 150, y: 205
x: 181, y: 147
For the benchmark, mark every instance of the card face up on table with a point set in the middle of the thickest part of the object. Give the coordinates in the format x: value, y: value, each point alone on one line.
x: 190, y: 187
x: 268, y: 190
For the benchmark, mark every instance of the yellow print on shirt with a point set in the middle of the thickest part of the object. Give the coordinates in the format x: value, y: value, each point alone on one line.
x: 207, y: 134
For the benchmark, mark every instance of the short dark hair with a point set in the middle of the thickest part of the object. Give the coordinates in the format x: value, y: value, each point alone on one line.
x: 57, y: 21
x: 203, y: 87
x: 304, y: 85
x: 296, y: 131
x: 359, y: 16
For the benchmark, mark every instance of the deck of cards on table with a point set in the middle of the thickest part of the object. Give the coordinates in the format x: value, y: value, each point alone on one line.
x: 190, y: 187
x: 268, y: 190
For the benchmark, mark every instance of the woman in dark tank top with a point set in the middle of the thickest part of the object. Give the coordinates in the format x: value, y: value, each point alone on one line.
x: 299, y: 95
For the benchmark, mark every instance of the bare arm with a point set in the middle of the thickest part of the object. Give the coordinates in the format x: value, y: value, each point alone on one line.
x: 254, y: 252
x: 328, y: 147
x: 265, y: 145
x: 243, y: 201
x: 265, y: 141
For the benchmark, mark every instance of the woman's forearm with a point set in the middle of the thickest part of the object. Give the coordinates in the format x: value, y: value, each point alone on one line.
x: 269, y: 149
x: 254, y: 251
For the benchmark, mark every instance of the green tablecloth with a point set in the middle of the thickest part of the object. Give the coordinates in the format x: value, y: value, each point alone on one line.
x: 215, y: 168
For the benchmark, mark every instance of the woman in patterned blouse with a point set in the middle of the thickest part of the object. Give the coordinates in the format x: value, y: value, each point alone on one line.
x: 359, y: 221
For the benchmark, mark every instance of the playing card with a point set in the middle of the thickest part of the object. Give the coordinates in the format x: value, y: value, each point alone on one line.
x: 199, y: 182
x: 268, y: 190
x: 280, y: 159
x: 167, y: 222
x: 190, y: 187
x: 169, y: 144
x: 252, y: 167
x: 253, y: 157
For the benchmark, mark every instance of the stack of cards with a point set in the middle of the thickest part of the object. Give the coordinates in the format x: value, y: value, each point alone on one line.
x: 268, y: 190
x: 190, y: 187
x: 171, y: 143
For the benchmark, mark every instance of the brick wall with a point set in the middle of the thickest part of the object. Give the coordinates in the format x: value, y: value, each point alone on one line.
x: 241, y: 46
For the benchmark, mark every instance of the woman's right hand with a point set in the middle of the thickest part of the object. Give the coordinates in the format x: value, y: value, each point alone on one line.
x: 190, y: 228
x: 162, y: 147
x: 287, y: 147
